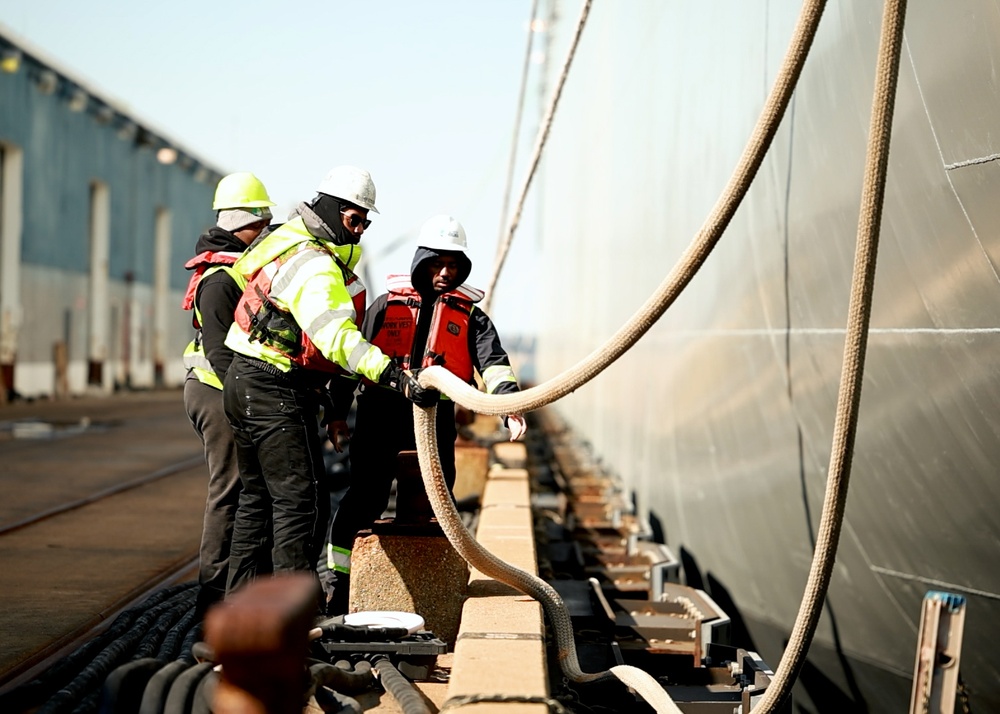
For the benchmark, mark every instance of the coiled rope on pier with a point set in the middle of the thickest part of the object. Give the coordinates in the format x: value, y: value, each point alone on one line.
x: 594, y: 364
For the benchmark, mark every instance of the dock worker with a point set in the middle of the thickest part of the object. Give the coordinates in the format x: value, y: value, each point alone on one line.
x: 295, y: 328
x: 243, y: 212
x: 429, y: 313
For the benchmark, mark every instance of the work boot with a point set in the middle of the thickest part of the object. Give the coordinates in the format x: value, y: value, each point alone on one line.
x: 338, y: 602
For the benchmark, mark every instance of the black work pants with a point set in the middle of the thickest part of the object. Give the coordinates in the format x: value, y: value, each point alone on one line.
x: 203, y: 405
x: 274, y: 421
x: 384, y: 428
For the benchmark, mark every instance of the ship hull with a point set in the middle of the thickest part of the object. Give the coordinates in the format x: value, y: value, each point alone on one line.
x: 721, y: 418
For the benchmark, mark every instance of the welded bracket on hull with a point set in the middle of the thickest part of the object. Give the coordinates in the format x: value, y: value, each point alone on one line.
x: 935, y: 673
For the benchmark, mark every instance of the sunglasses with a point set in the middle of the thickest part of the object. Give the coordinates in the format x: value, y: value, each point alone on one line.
x: 355, y: 220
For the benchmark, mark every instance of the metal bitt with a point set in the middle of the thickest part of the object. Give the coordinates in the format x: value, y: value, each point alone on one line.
x: 260, y: 637
x: 406, y: 563
x: 939, y: 648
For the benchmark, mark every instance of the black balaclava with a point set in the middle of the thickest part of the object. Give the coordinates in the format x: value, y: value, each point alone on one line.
x: 328, y: 209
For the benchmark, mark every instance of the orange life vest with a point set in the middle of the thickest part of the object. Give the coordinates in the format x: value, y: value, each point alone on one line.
x: 265, y: 322
x: 448, y: 336
x: 200, y: 263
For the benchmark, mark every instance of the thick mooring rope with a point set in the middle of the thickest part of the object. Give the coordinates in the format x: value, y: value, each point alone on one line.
x: 685, y: 269
x: 594, y: 364
x: 853, y: 366
x: 855, y: 346
x: 543, y: 135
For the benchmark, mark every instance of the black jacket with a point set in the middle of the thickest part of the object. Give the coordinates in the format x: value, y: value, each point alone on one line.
x: 216, y: 299
x: 484, y: 342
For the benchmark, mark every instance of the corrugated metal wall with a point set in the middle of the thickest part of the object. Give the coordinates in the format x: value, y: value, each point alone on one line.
x: 91, y: 175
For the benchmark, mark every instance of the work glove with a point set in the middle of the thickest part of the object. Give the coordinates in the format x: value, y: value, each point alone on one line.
x: 405, y: 381
x: 517, y: 426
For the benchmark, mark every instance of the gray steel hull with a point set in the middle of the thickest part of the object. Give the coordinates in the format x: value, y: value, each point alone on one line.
x: 721, y: 418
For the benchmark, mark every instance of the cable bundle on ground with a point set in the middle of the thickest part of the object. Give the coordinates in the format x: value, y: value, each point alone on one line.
x: 163, y: 627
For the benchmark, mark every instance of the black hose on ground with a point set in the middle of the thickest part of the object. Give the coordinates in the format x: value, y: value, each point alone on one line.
x: 347, y: 682
x: 88, y: 682
x: 182, y: 694
x: 333, y: 702
x: 123, y: 688
x: 176, y: 643
x: 400, y: 688
x: 33, y: 693
x: 154, y: 698
x: 152, y: 641
x: 89, y: 703
x: 193, y: 636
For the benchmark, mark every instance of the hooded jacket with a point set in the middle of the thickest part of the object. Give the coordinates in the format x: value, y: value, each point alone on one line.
x: 485, y: 351
x: 215, y: 295
x: 309, y: 281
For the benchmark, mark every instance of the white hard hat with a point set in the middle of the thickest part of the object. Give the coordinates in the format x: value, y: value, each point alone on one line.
x: 352, y: 184
x: 442, y: 233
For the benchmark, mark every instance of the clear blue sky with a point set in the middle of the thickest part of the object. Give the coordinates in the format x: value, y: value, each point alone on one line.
x: 421, y: 93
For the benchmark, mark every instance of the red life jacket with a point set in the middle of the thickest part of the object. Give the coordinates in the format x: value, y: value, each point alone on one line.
x: 265, y: 322
x: 448, y: 336
x: 200, y: 263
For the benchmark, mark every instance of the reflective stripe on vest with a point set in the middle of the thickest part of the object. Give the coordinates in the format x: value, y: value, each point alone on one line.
x: 195, y: 360
x: 197, y: 364
x: 263, y: 321
x: 496, y: 375
x: 338, y: 559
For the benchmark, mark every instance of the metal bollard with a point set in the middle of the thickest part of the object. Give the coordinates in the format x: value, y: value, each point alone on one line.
x: 260, y: 637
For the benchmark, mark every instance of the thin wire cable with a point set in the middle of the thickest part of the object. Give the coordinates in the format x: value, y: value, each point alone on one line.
x: 517, y: 121
x: 543, y: 135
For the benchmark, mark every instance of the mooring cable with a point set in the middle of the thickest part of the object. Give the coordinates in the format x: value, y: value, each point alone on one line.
x: 855, y: 347
x: 640, y: 323
x: 543, y: 135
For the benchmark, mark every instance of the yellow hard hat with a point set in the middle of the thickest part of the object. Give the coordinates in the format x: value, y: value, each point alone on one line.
x: 241, y: 190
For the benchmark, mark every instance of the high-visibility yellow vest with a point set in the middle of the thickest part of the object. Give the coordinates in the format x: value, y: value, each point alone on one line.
x: 306, y: 291
x: 195, y: 360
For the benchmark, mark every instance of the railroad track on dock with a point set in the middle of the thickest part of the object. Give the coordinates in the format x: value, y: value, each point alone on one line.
x: 192, y: 462
x: 75, y: 562
x: 121, y: 543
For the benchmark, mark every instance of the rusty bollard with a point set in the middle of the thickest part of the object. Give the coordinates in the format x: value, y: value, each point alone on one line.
x: 260, y: 637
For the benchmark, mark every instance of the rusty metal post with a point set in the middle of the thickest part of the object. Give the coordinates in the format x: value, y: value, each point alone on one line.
x: 260, y: 637
x: 939, y: 649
